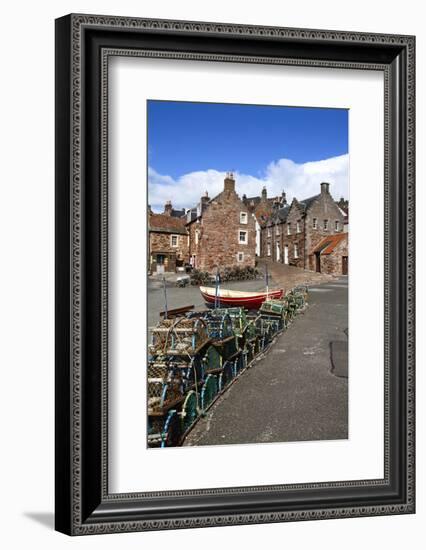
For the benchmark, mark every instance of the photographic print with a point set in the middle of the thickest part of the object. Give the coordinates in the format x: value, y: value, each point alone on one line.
x: 248, y: 261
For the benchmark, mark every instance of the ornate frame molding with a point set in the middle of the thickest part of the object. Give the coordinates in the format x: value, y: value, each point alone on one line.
x: 84, y: 508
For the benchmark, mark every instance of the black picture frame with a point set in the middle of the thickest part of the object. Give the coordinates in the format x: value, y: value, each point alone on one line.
x: 83, y: 44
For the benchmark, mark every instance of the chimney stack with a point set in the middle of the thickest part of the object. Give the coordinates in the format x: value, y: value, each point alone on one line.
x: 168, y: 208
x: 204, y: 200
x: 229, y: 182
x: 325, y: 187
x: 264, y: 194
x: 283, y: 198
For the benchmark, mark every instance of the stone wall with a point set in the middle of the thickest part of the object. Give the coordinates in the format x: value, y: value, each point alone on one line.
x: 322, y: 209
x: 218, y: 233
x: 293, y: 234
x: 333, y: 263
x: 161, y: 243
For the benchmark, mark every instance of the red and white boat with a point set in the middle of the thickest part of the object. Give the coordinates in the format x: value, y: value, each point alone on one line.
x: 236, y: 298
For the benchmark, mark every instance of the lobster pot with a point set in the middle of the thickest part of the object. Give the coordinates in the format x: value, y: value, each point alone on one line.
x: 250, y: 329
x: 155, y: 429
x: 273, y: 307
x: 171, y: 430
x: 238, y: 317
x: 239, y: 363
x: 227, y: 348
x: 212, y: 359
x: 302, y: 292
x: 251, y: 349
x: 276, y: 322
x: 266, y: 331
x: 227, y: 375
x: 180, y: 336
x: 219, y: 324
x: 193, y: 372
x: 165, y: 388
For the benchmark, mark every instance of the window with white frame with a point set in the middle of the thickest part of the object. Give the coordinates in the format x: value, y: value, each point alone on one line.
x: 242, y: 237
x: 298, y: 229
x: 197, y: 236
x: 277, y: 229
x: 289, y: 229
x: 325, y: 225
x: 269, y: 231
x: 240, y: 257
x: 336, y: 226
x: 269, y: 250
x: 174, y: 240
x: 314, y: 223
x: 243, y: 217
x: 296, y: 250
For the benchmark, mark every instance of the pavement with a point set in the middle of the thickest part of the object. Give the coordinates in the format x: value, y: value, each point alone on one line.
x: 298, y: 391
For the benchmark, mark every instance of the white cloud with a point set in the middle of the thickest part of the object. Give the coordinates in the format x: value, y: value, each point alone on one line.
x: 297, y: 180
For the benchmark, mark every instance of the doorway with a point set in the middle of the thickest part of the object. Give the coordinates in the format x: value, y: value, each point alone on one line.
x: 318, y: 262
x: 344, y: 265
x: 160, y: 263
x: 286, y: 254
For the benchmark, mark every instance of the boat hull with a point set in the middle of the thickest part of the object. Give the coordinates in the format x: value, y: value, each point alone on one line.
x: 251, y: 301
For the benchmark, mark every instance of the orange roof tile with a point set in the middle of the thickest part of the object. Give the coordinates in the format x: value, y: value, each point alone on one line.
x: 166, y: 224
x: 328, y: 244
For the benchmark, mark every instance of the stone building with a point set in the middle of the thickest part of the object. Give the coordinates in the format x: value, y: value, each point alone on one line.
x: 331, y: 255
x: 221, y: 231
x: 262, y: 208
x: 168, y: 241
x: 294, y: 231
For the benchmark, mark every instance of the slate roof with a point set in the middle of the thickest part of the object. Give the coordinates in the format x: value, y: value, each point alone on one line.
x: 163, y: 223
x: 279, y: 216
x: 306, y: 203
x: 177, y: 213
x: 328, y: 244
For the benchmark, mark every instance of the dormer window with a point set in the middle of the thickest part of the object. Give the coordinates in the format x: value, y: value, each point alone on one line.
x: 289, y: 229
x: 243, y: 218
x: 298, y: 230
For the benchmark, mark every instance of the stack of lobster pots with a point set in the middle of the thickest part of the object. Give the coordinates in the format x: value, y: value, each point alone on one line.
x: 192, y: 359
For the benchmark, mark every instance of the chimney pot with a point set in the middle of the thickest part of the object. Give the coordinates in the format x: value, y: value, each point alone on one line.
x: 168, y: 208
x: 325, y: 187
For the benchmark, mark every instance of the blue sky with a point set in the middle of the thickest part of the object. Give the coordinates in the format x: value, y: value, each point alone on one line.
x: 191, y: 145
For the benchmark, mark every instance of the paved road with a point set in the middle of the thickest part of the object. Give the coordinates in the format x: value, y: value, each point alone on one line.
x: 291, y: 394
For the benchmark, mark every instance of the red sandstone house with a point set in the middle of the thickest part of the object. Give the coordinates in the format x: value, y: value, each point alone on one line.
x: 221, y: 231
x: 294, y: 232
x: 168, y: 240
